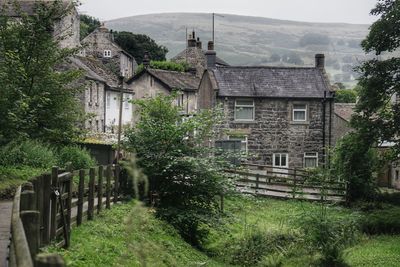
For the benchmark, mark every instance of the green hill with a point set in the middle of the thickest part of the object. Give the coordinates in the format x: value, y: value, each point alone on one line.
x: 243, y: 40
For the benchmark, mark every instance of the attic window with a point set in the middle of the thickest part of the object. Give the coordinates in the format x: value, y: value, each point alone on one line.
x: 107, y: 53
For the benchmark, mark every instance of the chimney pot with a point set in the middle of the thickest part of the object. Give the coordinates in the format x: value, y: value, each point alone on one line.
x: 146, y: 60
x: 211, y: 56
x: 320, y: 61
x: 210, y: 45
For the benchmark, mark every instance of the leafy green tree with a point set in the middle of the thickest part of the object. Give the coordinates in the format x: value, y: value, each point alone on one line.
x: 180, y: 170
x: 38, y: 96
x: 346, y: 96
x: 166, y: 65
x: 88, y: 25
x: 138, y: 44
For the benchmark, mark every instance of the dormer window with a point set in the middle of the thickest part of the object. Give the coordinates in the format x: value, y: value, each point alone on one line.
x: 107, y: 53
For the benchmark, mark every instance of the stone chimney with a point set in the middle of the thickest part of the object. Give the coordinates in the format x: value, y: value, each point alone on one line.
x: 199, y: 44
x: 192, y: 40
x: 146, y: 60
x: 320, y: 61
x: 211, y: 55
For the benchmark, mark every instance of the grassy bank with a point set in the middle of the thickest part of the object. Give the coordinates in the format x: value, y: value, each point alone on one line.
x: 12, y: 177
x: 130, y: 235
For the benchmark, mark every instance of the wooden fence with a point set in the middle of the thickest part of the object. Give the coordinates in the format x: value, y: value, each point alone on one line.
x: 45, y: 209
x: 285, y: 183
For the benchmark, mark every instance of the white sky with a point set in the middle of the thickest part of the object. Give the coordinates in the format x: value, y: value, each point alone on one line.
x: 348, y: 11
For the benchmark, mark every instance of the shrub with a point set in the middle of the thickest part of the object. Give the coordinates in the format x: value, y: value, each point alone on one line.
x: 386, y: 221
x: 27, y: 153
x: 76, y: 157
x: 254, y: 247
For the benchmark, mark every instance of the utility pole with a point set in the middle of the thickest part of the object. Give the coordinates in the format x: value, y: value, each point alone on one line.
x: 121, y: 100
x: 213, y: 28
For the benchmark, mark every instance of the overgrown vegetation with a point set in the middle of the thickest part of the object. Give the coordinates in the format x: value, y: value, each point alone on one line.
x: 37, y: 100
x: 165, y: 65
x: 346, y: 96
x: 184, y: 176
x: 87, y: 25
x: 75, y: 157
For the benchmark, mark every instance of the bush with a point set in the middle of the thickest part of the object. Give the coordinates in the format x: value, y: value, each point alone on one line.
x: 76, y: 157
x: 27, y: 153
x: 386, y: 221
x: 257, y: 245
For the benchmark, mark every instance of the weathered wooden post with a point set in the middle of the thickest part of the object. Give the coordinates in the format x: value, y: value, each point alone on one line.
x: 39, y: 204
x: 53, y: 220
x: 257, y: 181
x: 30, y: 218
x: 100, y: 190
x: 49, y: 260
x: 294, y: 183
x: 108, y: 187
x: 92, y: 176
x: 81, y: 189
x: 116, y: 182
x: 46, y: 209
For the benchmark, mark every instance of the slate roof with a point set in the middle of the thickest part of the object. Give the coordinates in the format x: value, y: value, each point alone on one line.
x: 278, y: 82
x: 172, y: 79
x: 344, y: 110
x: 96, y: 66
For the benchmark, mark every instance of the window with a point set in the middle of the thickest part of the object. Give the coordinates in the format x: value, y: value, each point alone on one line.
x: 397, y: 175
x: 90, y: 94
x: 280, y: 160
x: 310, y: 160
x: 97, y: 93
x: 108, y: 100
x: 244, y: 110
x: 127, y: 99
x: 107, y: 53
x: 299, y: 112
x: 242, y: 139
x: 97, y: 125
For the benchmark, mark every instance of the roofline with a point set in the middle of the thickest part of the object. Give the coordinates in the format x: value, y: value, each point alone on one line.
x: 277, y: 97
x: 263, y: 67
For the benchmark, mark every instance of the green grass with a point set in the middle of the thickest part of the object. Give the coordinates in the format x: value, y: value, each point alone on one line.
x: 130, y: 235
x: 12, y: 177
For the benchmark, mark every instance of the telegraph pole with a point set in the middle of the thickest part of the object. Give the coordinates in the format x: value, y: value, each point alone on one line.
x: 121, y: 100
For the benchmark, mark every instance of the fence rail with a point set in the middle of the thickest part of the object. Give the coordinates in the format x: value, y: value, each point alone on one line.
x: 285, y: 183
x: 46, y: 208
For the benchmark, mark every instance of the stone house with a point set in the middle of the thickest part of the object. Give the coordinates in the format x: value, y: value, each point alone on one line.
x: 281, y: 115
x: 341, y: 120
x: 66, y: 30
x: 195, y: 56
x: 100, y: 45
x: 151, y: 82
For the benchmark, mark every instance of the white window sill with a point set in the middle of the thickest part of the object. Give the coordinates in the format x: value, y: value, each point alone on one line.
x: 244, y: 121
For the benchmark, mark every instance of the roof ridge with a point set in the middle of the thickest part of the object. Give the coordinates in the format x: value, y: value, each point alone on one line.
x: 264, y: 67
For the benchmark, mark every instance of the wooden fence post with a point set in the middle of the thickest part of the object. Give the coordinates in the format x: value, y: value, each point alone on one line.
x: 81, y: 189
x: 46, y: 209
x: 116, y: 182
x: 53, y: 220
x: 294, y: 183
x: 31, y: 221
x: 49, y: 260
x: 257, y: 181
x: 69, y: 207
x: 108, y: 187
x: 40, y: 204
x: 100, y: 190
x: 92, y: 174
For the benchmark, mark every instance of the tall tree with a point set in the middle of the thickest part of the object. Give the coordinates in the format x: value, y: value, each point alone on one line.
x: 378, y: 117
x: 138, y: 44
x: 38, y: 96
x: 88, y: 25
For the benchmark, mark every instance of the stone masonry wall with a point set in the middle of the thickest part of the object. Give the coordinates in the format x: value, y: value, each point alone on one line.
x: 273, y: 130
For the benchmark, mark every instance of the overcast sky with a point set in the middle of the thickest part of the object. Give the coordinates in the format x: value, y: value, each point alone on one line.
x: 349, y: 11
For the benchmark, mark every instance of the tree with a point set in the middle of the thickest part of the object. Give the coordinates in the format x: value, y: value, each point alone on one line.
x: 38, y: 97
x: 184, y: 175
x: 138, y: 44
x: 345, y: 96
x: 88, y: 25
x: 378, y: 117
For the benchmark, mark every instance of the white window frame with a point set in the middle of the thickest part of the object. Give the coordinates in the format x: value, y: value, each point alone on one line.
x: 108, y: 100
x: 280, y: 160
x: 127, y: 99
x: 107, y: 53
x: 243, y: 141
x: 244, y: 106
x: 299, y: 109
x: 307, y: 155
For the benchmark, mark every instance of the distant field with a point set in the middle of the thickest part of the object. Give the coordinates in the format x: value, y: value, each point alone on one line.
x: 242, y: 40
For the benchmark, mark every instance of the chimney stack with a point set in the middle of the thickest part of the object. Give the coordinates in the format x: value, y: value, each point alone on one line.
x: 146, y: 60
x: 320, y: 61
x: 192, y: 40
x: 199, y: 44
x: 211, y: 55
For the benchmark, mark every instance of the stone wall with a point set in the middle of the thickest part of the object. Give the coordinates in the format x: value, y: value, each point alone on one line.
x: 340, y: 129
x: 67, y: 30
x: 94, y: 105
x: 273, y: 130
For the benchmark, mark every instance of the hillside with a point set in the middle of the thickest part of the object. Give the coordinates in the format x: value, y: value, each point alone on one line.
x: 243, y: 40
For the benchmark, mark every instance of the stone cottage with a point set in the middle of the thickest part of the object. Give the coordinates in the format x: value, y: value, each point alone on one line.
x: 341, y: 120
x: 281, y: 115
x: 100, y: 45
x: 150, y: 82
